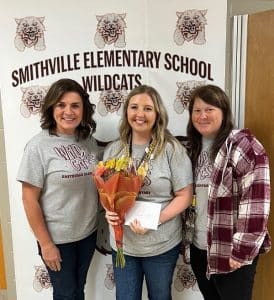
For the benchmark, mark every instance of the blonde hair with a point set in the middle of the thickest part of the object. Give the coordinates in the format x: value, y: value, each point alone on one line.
x: 160, y: 134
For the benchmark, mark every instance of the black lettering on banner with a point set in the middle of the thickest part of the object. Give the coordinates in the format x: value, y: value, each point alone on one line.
x: 118, y: 58
x: 100, y: 83
x: 59, y: 64
x: 187, y: 65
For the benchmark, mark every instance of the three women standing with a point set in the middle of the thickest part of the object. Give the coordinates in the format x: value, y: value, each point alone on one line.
x: 231, y: 180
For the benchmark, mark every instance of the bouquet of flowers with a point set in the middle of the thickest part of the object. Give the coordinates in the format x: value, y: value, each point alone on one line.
x: 118, y: 183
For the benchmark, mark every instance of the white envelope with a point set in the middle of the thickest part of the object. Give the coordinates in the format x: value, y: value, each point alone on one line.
x: 147, y: 213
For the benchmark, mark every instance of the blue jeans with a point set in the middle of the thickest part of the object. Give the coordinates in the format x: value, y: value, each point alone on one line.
x: 69, y: 282
x: 157, y: 270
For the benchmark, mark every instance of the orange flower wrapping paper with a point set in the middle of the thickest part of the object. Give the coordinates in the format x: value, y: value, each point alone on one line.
x: 117, y: 192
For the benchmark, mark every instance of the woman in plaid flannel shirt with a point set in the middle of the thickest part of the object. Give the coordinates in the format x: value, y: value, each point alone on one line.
x: 232, y: 187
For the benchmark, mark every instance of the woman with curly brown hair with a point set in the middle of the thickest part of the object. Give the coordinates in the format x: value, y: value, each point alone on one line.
x: 59, y: 198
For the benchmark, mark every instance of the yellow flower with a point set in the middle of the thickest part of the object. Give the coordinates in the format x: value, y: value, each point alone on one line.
x: 121, y: 163
x: 100, y: 163
x: 110, y: 164
x: 142, y: 170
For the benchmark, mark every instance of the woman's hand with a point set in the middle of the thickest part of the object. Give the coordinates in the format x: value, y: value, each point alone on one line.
x: 50, y: 253
x: 51, y: 256
x: 234, y: 264
x: 136, y: 227
x: 112, y: 218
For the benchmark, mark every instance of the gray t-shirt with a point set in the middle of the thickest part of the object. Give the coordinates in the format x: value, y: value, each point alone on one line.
x: 62, y: 167
x: 202, y: 177
x: 169, y: 172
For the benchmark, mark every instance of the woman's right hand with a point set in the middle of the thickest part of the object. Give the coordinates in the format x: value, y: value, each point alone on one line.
x: 112, y: 218
x: 50, y: 253
x: 51, y: 256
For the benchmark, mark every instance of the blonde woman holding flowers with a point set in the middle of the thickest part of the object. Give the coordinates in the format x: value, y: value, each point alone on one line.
x: 150, y: 254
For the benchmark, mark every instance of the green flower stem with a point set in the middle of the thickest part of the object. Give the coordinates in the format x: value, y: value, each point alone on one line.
x: 120, y: 258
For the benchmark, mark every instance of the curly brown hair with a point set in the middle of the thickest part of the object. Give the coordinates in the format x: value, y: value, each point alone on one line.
x: 57, y: 90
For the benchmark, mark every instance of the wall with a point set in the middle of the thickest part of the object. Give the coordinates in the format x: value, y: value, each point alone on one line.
x: 259, y: 115
x: 3, y: 283
x: 250, y: 6
x: 5, y: 220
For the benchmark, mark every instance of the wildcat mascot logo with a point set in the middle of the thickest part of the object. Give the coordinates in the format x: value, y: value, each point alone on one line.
x: 183, y: 94
x: 32, y: 100
x: 110, y: 30
x: 111, y: 101
x: 41, y: 279
x: 30, y: 33
x: 190, y: 26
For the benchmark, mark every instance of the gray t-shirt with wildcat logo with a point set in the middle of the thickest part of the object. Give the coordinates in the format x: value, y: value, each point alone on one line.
x: 62, y: 167
x: 168, y: 173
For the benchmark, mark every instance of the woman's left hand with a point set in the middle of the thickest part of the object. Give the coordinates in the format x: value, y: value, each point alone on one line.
x: 136, y: 227
x: 234, y: 264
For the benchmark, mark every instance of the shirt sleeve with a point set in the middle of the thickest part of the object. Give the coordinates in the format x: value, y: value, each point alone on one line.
x: 31, y: 168
x: 180, y: 167
x: 95, y: 148
x: 253, y: 206
x: 111, y: 150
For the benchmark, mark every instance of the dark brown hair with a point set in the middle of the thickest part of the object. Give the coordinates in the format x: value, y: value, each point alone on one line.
x: 54, y: 95
x: 215, y: 96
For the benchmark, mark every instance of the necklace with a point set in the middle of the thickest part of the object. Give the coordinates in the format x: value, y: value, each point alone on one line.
x: 147, y: 156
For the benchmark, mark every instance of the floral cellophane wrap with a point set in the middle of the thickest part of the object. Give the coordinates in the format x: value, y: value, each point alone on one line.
x: 118, y: 184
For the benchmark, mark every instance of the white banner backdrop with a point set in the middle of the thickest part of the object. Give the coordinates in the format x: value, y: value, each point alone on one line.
x: 109, y: 47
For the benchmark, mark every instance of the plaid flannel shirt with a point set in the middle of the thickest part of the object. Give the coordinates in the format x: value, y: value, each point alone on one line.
x: 239, y: 203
